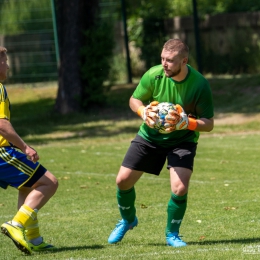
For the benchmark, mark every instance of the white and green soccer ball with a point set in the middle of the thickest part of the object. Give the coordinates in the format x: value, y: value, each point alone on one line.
x: 164, y: 108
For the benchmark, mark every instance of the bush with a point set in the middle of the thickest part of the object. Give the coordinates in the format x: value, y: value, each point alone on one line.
x: 242, y: 54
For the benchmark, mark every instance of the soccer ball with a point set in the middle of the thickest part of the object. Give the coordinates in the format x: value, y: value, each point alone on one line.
x: 163, y: 107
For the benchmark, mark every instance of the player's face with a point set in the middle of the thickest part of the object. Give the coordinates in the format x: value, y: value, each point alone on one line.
x: 3, y: 67
x: 172, y: 63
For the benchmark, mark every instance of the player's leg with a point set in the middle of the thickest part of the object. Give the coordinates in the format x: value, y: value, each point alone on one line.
x: 125, y: 181
x: 30, y: 200
x: 180, y: 165
x: 142, y: 157
x: 177, y: 204
x: 18, y: 171
x: 41, y: 191
x: 33, y: 180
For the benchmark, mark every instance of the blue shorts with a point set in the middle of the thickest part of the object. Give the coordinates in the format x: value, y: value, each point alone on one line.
x: 16, y: 170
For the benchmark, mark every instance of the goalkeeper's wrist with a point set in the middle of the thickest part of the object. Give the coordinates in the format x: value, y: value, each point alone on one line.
x: 140, y: 110
x: 192, y: 124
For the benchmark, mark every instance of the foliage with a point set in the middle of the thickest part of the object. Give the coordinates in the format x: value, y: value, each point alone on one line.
x: 148, y: 33
x: 96, y: 56
x: 239, y: 58
x: 174, y: 8
x: 23, y: 16
x: 232, y: 6
x: 27, y: 31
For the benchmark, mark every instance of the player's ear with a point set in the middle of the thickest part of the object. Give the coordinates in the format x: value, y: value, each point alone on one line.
x: 185, y: 61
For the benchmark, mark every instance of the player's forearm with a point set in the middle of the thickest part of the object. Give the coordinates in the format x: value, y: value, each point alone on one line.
x: 135, y: 104
x: 205, y: 125
x: 8, y: 132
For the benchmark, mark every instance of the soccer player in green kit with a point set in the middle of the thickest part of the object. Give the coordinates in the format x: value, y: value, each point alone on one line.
x: 177, y: 82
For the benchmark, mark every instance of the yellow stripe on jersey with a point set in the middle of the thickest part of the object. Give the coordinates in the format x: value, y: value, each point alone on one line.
x: 16, y: 163
x: 2, y: 93
x: 4, y: 103
x: 4, y: 111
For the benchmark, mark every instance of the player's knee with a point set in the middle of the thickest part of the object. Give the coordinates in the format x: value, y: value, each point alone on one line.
x: 55, y: 184
x: 123, y: 183
x: 52, y: 181
x: 180, y: 190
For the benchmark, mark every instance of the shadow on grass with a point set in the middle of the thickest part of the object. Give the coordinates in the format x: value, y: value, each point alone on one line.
x: 231, y: 241
x: 39, y: 118
x: 73, y: 248
x: 240, y: 95
x: 215, y: 242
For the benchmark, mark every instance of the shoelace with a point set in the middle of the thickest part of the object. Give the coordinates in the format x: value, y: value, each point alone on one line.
x: 177, y: 237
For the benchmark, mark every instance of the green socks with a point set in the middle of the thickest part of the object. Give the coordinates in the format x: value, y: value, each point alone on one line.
x: 126, y: 201
x: 176, y: 210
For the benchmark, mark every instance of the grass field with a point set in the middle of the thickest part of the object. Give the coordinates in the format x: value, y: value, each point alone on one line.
x: 85, y: 150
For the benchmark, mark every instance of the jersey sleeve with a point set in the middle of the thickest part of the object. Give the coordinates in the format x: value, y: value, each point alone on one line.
x: 4, y: 103
x: 144, y: 90
x: 205, y: 108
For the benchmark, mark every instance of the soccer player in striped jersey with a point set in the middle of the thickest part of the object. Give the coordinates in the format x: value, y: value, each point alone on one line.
x: 20, y: 169
x: 175, y: 81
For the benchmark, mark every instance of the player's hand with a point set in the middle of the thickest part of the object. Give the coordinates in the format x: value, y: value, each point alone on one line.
x: 185, y: 122
x: 171, y: 120
x: 32, y: 154
x: 149, y: 113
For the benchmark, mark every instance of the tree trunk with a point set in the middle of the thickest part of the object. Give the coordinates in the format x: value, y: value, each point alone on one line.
x: 73, y: 18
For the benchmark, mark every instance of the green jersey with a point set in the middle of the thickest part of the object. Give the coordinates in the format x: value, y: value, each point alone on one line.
x: 193, y: 94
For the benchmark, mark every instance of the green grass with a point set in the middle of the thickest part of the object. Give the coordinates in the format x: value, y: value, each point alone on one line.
x: 85, y: 151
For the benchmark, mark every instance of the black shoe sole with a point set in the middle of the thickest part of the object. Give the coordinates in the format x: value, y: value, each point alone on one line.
x: 17, y: 244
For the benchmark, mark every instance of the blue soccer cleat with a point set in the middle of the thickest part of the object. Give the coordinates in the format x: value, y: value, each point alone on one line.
x: 121, y: 228
x: 174, y: 240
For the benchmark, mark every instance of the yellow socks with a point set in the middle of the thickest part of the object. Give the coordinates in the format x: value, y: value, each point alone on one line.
x: 27, y: 218
x: 33, y: 231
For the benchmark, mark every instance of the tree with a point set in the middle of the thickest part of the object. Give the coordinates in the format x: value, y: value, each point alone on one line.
x: 73, y: 18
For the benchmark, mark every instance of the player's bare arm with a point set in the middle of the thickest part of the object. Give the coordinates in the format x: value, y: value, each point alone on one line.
x: 205, y: 124
x: 135, y: 104
x: 8, y: 132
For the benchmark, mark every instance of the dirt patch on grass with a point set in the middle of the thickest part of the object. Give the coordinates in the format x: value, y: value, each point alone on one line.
x: 236, y: 118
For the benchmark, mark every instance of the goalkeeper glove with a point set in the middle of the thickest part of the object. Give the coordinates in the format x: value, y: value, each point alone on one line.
x: 171, y: 119
x: 185, y: 122
x: 149, y: 113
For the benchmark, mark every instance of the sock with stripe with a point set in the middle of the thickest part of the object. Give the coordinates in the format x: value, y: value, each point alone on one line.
x: 176, y: 210
x: 126, y: 204
x: 27, y: 218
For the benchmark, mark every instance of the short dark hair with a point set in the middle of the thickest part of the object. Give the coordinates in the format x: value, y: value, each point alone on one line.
x: 177, y: 45
x: 3, y: 51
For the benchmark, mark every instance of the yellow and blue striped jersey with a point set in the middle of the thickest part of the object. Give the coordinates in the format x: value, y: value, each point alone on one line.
x: 4, y: 111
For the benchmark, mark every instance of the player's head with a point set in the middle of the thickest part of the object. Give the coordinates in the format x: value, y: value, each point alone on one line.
x: 174, y: 57
x: 176, y: 45
x: 3, y: 63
